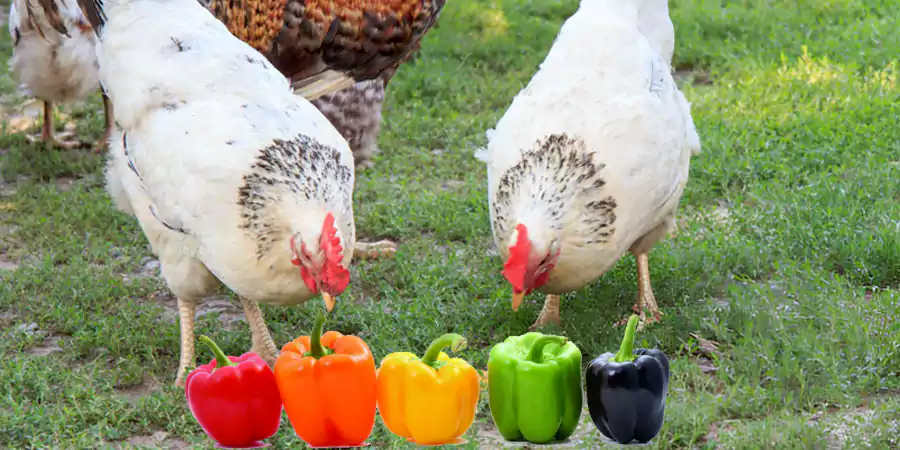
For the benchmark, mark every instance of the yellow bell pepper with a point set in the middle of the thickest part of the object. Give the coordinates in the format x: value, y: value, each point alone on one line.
x: 428, y: 401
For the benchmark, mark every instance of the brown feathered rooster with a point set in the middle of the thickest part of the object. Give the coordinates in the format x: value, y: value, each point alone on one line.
x: 339, y: 54
x: 324, y: 46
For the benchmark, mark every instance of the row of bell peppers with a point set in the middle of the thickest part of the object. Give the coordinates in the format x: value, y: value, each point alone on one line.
x: 329, y: 387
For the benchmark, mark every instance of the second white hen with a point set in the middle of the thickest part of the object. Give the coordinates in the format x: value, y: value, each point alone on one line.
x: 56, y: 62
x: 234, y: 179
x: 590, y: 160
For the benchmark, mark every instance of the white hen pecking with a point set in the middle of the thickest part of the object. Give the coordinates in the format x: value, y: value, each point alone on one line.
x: 591, y: 158
x: 234, y: 180
x: 53, y: 56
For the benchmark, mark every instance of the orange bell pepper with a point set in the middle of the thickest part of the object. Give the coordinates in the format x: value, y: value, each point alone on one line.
x: 429, y: 401
x: 327, y: 384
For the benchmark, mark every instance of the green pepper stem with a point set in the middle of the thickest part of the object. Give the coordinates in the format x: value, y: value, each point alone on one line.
x: 626, y: 350
x: 315, y: 338
x: 536, y: 353
x: 221, y: 359
x: 454, y: 341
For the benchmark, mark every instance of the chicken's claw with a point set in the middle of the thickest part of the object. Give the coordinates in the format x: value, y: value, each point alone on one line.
x: 64, y: 140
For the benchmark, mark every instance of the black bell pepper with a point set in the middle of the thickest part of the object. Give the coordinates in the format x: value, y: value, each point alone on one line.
x: 626, y: 391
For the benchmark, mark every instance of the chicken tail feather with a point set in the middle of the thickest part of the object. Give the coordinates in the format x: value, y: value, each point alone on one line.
x: 93, y: 10
x: 324, y: 83
x: 51, y: 14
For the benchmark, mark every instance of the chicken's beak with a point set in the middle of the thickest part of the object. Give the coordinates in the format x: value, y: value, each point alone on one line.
x: 329, y: 301
x: 517, y: 300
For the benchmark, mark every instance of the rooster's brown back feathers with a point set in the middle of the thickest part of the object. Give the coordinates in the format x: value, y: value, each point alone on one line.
x: 362, y: 39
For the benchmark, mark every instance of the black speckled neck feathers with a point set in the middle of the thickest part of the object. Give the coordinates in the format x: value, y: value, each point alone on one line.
x: 555, y: 176
x: 297, y: 170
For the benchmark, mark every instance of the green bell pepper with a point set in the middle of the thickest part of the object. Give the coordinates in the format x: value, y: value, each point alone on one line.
x: 534, y: 387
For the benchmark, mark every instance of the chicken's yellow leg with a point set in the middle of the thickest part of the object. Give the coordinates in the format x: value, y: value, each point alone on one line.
x: 549, y: 313
x: 363, y: 250
x: 646, y: 299
x: 186, y: 313
x: 259, y: 332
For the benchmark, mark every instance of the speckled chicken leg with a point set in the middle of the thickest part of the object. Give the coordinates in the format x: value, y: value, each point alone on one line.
x: 186, y: 312
x: 549, y: 313
x: 259, y: 332
x: 372, y: 250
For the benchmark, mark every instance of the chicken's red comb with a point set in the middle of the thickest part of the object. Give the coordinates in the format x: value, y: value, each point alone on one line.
x: 517, y: 263
x: 335, y: 277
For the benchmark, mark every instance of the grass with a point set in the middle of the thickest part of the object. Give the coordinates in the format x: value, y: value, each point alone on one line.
x: 787, y: 255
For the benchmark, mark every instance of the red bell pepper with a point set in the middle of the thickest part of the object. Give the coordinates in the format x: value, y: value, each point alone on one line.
x: 238, y: 404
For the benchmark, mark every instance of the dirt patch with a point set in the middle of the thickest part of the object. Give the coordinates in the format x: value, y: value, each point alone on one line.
x: 694, y: 76
x: 7, y: 189
x: 49, y: 346
x: 7, y: 264
x: 228, y: 310
x: 6, y: 319
x: 159, y: 439
x: 29, y: 114
x: 704, y: 352
x: 150, y: 268
x: 722, y: 212
x: 707, y: 365
x: 65, y: 184
x: 488, y: 436
x: 716, y: 429
x: 134, y: 394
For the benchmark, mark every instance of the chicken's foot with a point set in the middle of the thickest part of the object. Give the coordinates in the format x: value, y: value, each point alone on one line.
x: 186, y: 313
x: 372, y: 250
x: 259, y: 332
x: 646, y: 300
x: 549, y: 313
x: 64, y: 140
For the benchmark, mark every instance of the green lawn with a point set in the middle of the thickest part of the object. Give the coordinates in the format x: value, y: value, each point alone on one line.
x: 780, y: 289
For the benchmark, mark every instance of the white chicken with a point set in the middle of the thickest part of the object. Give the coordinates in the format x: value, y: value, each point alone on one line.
x: 55, y: 67
x: 591, y: 158
x: 234, y: 179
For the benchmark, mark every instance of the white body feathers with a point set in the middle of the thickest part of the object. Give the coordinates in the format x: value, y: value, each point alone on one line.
x: 197, y: 107
x: 608, y: 85
x: 53, y: 67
